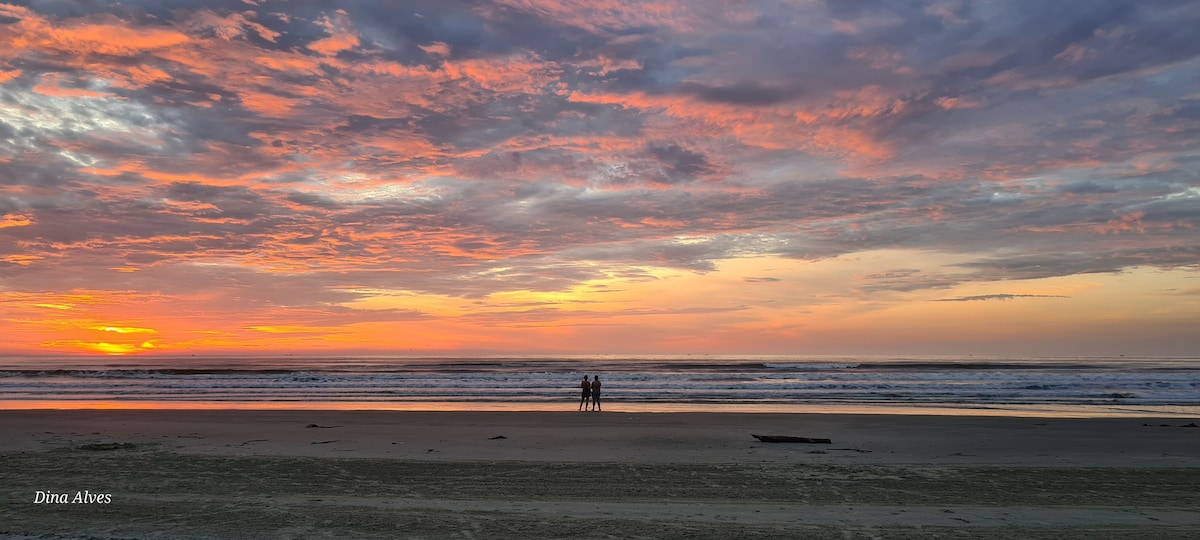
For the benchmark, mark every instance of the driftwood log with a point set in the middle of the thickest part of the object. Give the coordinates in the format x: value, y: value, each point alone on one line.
x: 108, y: 446
x: 790, y: 439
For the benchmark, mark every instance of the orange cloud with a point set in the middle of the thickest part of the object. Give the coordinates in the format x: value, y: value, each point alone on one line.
x: 437, y: 48
x: 15, y: 220
x: 780, y: 127
x: 959, y: 102
x: 516, y: 73
x: 289, y: 62
x: 341, y: 35
x: 268, y: 103
x: 109, y: 35
x: 59, y: 91
x: 143, y: 75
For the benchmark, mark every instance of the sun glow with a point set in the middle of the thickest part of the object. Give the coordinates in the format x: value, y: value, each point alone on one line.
x: 101, y: 347
x: 123, y: 329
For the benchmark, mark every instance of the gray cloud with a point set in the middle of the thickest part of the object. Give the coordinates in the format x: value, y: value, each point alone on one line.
x: 1000, y: 296
x: 997, y: 147
x: 1040, y: 265
x: 679, y: 163
x: 741, y: 94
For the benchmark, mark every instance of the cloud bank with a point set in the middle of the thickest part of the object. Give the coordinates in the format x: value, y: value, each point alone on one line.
x: 308, y: 157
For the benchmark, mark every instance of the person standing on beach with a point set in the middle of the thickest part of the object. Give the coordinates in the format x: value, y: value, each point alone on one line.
x: 587, y: 392
x: 595, y: 392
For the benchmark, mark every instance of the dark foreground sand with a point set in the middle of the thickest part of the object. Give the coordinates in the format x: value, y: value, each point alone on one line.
x: 377, y: 474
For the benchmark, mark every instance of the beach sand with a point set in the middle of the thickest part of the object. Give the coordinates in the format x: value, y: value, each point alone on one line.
x: 388, y: 474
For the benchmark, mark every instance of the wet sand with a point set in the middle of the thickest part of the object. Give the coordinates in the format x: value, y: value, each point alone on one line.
x: 386, y: 474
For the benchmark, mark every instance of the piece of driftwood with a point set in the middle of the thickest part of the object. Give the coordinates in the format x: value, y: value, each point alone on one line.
x: 790, y: 439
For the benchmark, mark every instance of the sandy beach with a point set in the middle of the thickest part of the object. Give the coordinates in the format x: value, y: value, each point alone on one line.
x: 403, y: 474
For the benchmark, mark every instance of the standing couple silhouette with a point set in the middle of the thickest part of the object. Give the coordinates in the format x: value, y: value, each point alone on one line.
x: 590, y: 390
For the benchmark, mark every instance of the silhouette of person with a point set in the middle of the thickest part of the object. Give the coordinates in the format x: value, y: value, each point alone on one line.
x: 587, y: 392
x: 595, y: 392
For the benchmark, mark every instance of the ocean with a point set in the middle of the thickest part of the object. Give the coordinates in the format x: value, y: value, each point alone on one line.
x: 1092, y: 386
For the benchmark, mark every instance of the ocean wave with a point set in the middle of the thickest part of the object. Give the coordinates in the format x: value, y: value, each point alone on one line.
x: 810, y: 366
x: 656, y: 380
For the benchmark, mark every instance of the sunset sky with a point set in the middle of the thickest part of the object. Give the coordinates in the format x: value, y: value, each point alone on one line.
x: 538, y: 176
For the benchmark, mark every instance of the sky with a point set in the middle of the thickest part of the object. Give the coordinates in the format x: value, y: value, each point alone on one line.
x: 186, y: 177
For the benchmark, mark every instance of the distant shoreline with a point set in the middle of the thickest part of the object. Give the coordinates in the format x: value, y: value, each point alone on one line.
x: 616, y: 406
